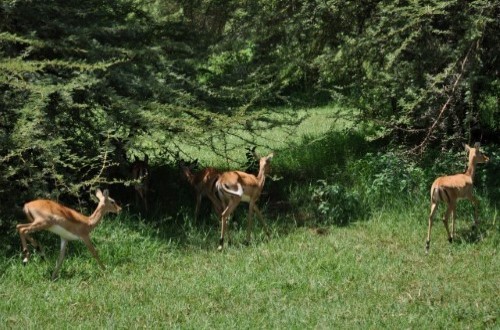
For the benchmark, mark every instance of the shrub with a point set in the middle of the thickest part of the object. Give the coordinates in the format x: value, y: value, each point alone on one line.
x: 334, y: 204
x: 387, y: 176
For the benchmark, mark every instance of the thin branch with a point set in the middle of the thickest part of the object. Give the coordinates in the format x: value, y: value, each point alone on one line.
x: 451, y: 95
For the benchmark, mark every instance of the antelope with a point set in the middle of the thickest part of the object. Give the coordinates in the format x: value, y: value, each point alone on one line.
x: 139, y: 171
x: 236, y: 186
x: 203, y: 183
x: 69, y: 224
x: 449, y: 189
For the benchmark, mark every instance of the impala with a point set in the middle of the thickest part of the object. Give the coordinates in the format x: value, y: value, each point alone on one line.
x: 449, y: 189
x: 203, y: 183
x: 67, y: 223
x: 139, y: 171
x: 236, y: 186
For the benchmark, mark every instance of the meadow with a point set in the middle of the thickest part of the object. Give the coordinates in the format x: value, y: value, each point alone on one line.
x: 337, y: 257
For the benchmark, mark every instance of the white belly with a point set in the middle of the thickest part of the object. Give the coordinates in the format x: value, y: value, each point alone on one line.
x: 63, y: 233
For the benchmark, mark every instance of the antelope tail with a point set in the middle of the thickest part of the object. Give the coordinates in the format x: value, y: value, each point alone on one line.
x: 440, y: 194
x: 226, y: 189
x: 435, y: 195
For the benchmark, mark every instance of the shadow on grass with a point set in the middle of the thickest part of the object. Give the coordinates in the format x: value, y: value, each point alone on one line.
x: 475, y: 234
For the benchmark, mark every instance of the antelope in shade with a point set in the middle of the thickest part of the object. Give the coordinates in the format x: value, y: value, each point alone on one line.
x: 139, y: 171
x: 69, y: 224
x: 449, y: 189
x: 236, y: 186
x: 203, y: 183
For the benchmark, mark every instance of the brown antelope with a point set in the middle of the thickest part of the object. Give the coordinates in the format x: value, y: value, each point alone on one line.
x: 449, y: 189
x: 139, y: 171
x: 203, y: 183
x: 67, y: 223
x: 236, y: 186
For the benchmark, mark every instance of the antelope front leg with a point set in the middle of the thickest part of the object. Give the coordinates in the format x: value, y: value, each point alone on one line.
x: 93, y: 251
x: 453, y: 213
x: 250, y: 222
x: 262, y: 220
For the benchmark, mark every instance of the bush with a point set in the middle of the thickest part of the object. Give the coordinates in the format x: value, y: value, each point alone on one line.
x: 324, y: 203
x: 388, y: 176
x: 334, y: 204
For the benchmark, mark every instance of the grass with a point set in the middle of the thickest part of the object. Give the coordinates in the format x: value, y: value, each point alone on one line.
x: 165, y: 272
x: 371, y: 274
x: 316, y: 121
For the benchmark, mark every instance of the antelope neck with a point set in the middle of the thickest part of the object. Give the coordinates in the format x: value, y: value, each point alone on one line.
x: 96, y: 217
x: 471, y: 169
x: 261, y: 177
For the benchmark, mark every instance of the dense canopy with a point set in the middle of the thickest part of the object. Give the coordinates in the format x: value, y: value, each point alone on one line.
x: 89, y: 84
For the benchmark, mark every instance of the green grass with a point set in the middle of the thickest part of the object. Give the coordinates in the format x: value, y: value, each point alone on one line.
x: 316, y: 121
x: 371, y: 274
x: 165, y: 271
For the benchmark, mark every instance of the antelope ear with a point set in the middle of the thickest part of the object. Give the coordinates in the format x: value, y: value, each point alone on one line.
x: 270, y: 156
x: 467, y: 148
x: 106, y: 193
x: 99, y: 194
x: 477, y: 145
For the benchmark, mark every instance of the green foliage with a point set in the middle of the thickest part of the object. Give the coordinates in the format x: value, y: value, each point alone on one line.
x: 387, y: 176
x: 335, y: 204
x: 85, y: 87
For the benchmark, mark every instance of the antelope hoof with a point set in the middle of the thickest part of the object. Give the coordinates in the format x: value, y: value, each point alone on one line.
x: 450, y: 239
x: 220, y: 248
x: 427, y: 246
x: 25, y: 261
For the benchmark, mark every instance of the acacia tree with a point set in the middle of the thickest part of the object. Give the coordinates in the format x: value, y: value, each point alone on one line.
x: 75, y: 78
x: 424, y: 70
x: 86, y: 85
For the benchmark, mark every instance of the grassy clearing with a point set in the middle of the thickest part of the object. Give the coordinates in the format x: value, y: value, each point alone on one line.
x: 316, y: 121
x: 371, y: 274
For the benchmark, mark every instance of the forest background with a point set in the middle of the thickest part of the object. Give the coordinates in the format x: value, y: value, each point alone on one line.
x: 89, y: 86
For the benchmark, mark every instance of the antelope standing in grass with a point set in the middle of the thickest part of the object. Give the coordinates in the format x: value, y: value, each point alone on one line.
x: 236, y: 186
x: 67, y: 223
x: 203, y: 183
x: 449, y: 189
x: 139, y: 171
